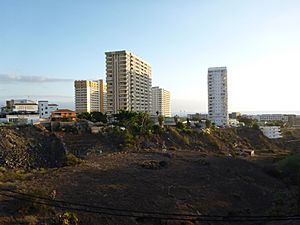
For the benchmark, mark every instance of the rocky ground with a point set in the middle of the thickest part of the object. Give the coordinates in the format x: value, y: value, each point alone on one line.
x: 174, y: 182
x: 30, y: 147
x: 184, y: 178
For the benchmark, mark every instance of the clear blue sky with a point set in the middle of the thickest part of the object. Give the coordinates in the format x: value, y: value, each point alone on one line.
x: 44, y: 45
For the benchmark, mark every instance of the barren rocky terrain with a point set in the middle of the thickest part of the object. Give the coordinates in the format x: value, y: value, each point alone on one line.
x: 173, y: 180
x: 30, y: 147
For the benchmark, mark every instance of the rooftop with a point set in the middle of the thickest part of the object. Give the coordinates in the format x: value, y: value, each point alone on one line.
x: 63, y: 111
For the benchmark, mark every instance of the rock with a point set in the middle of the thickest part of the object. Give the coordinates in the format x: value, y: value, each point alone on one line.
x: 30, y: 147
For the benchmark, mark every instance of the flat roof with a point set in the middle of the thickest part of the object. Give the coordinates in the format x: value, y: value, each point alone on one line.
x: 217, y: 68
x: 25, y: 104
x: 63, y: 110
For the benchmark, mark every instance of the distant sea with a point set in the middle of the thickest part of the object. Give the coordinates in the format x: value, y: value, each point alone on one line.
x: 244, y: 112
x: 270, y: 112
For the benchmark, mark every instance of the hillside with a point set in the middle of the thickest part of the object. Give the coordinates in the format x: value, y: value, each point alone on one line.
x: 187, y: 182
x: 177, y: 171
x: 30, y: 147
x: 218, y: 141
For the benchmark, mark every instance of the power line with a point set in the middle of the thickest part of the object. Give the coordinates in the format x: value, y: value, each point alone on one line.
x: 106, y: 213
x: 98, y: 207
x: 150, y: 215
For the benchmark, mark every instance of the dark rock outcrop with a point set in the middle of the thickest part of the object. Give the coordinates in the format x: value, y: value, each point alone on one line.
x: 30, y: 147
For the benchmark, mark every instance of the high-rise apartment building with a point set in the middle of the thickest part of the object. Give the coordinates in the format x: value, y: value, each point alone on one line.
x: 128, y: 81
x: 102, y: 91
x: 89, y: 96
x: 160, y: 102
x: 217, y: 96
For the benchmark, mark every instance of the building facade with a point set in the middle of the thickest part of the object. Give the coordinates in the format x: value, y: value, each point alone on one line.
x: 269, y: 117
x: 21, y: 111
x: 128, y: 81
x: 23, y: 118
x: 234, y: 115
x: 24, y: 106
x: 45, y: 109
x: 197, y: 116
x: 217, y: 96
x: 161, y: 102
x: 103, y: 96
x: 89, y: 96
x: 63, y: 115
x: 272, y: 132
x: 295, y: 122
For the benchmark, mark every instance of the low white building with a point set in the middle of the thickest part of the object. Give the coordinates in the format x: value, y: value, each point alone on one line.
x: 21, y: 106
x: 23, y: 118
x: 169, y: 121
x: 272, y: 132
x: 233, y: 122
x: 21, y: 111
x: 45, y: 109
x: 269, y: 117
x: 197, y: 116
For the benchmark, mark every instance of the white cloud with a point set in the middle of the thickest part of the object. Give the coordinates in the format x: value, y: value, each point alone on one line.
x: 30, y: 79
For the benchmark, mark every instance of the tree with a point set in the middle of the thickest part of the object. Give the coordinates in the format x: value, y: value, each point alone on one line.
x: 123, y: 118
x: 188, y: 123
x: 180, y: 125
x: 276, y: 123
x: 84, y: 115
x: 176, y: 119
x: 247, y: 121
x: 98, y: 117
x: 141, y: 124
x: 255, y: 126
x: 138, y: 126
x: 138, y: 123
x: 207, y: 123
x: 160, y: 120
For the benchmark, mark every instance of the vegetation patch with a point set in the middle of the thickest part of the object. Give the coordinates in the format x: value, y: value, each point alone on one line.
x: 203, y: 162
x: 68, y: 218
x: 13, y: 175
x: 289, y: 168
x: 72, y: 160
x: 154, y: 164
x: 30, y: 203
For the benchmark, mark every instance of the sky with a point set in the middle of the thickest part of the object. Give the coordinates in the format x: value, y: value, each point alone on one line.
x: 46, y: 45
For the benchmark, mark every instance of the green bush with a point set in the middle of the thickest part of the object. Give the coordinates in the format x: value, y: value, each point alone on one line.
x: 72, y: 160
x: 175, y: 133
x: 157, y: 129
x: 13, y: 175
x: 185, y: 140
x: 289, y: 167
x: 154, y: 164
x: 2, y: 169
x: 180, y: 125
x: 68, y: 218
x: 187, y: 130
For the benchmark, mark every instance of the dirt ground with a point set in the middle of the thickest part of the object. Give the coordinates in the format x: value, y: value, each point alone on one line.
x: 173, y: 182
